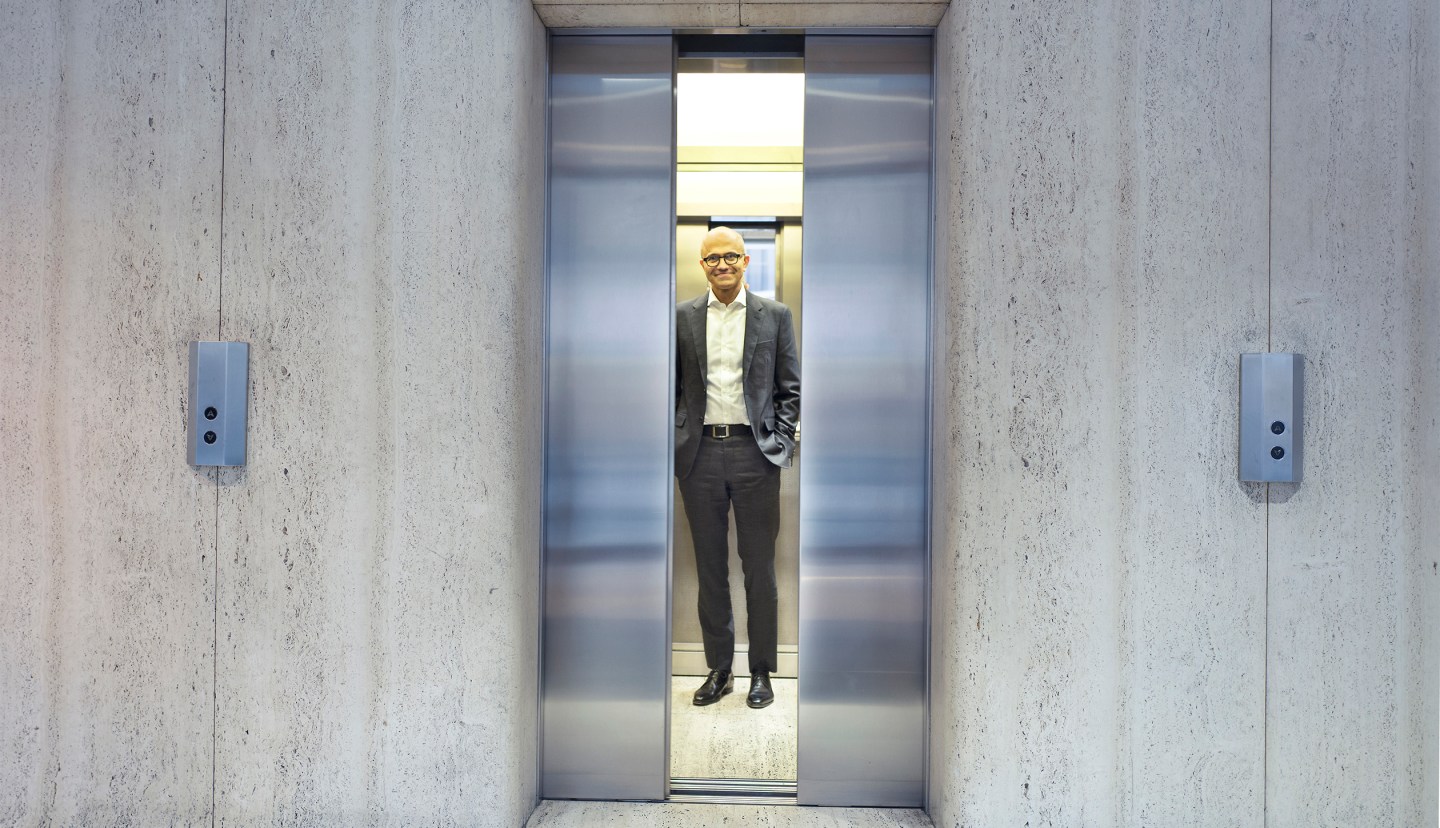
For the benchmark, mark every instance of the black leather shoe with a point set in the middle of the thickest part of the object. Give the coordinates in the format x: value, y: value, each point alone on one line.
x: 760, y: 693
x: 717, y: 685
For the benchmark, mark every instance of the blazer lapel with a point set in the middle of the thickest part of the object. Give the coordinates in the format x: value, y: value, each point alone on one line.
x: 698, y: 335
x: 754, y: 315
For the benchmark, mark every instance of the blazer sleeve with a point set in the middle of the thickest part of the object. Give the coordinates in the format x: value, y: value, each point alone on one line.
x: 680, y: 336
x: 787, y: 376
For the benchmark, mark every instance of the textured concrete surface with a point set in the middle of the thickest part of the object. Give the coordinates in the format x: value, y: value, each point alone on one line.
x: 563, y: 14
x: 383, y: 249
x: 560, y: 814
x: 1354, y: 578
x: 841, y: 14
x: 109, y: 247
x: 1099, y: 574
x: 646, y: 15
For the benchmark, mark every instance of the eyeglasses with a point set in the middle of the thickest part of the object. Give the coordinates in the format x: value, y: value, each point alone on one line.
x: 714, y: 259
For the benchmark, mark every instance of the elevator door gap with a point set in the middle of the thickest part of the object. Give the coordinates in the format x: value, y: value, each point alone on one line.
x: 739, y: 164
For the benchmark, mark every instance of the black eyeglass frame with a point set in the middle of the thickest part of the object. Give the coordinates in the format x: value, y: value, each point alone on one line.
x: 729, y: 259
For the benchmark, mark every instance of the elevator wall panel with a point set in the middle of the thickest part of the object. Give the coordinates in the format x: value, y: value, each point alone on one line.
x: 608, y: 468
x: 864, y: 507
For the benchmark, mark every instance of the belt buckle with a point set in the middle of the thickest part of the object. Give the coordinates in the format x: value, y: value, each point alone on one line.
x: 715, y: 432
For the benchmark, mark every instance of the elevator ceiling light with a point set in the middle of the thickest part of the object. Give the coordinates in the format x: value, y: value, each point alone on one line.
x: 740, y: 110
x: 739, y: 193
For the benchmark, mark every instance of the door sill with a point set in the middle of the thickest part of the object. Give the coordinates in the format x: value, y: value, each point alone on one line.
x: 732, y: 791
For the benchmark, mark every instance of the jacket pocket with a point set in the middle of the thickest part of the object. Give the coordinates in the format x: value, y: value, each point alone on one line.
x: 680, y: 418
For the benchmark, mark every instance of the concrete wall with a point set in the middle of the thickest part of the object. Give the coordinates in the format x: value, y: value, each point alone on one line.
x: 1130, y: 196
x: 110, y: 120
x: 1124, y: 634
x: 1354, y: 551
x: 345, y: 627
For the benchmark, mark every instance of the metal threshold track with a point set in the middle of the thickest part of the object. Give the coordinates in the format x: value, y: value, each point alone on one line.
x: 733, y: 791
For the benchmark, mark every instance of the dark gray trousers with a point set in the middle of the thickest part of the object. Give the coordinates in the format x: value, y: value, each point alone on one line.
x: 734, y: 471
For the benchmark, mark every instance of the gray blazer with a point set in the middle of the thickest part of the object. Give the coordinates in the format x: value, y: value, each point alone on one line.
x: 771, y: 365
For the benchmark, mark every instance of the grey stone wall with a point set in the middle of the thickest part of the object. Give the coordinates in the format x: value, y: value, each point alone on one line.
x: 1123, y: 633
x: 1130, y: 195
x: 345, y: 630
x: 110, y: 141
x: 1354, y: 550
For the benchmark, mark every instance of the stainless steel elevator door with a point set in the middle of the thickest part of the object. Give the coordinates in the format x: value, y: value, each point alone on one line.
x: 606, y: 677
x: 864, y: 487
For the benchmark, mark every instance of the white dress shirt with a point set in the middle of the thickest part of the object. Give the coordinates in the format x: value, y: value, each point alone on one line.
x: 724, y: 352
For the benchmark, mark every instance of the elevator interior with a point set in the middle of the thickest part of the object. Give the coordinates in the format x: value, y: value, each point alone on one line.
x: 739, y: 136
x: 611, y: 612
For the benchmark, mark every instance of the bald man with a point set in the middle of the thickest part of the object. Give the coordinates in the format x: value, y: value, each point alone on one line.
x: 737, y: 402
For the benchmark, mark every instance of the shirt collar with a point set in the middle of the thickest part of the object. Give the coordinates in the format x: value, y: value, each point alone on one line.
x: 711, y: 301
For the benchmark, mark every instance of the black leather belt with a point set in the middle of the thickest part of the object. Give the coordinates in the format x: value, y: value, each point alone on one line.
x: 721, y: 432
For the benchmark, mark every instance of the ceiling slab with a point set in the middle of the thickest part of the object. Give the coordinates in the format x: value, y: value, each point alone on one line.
x: 843, y: 13
x: 674, y: 14
x: 674, y: 3
x: 637, y: 15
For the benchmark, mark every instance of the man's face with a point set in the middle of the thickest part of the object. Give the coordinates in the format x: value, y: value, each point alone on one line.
x: 725, y: 279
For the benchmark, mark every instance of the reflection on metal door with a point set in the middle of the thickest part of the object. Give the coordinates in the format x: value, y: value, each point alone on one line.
x: 864, y: 485
x: 605, y: 682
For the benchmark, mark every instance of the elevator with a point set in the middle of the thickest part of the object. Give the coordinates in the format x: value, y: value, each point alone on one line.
x: 609, y: 507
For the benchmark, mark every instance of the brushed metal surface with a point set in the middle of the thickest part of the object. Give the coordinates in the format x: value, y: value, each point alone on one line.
x: 1272, y: 424
x: 608, y: 458
x: 865, y: 487
x: 219, y: 403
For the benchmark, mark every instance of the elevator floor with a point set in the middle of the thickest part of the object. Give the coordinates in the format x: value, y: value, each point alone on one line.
x: 728, y: 740
x: 572, y: 814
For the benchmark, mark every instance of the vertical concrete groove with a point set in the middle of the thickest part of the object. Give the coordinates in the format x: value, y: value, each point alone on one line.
x: 215, y: 655
x: 220, y: 335
x: 224, y: 113
x: 1269, y: 345
x: 1269, y: 192
x: 1265, y: 685
x: 53, y: 494
x: 48, y: 495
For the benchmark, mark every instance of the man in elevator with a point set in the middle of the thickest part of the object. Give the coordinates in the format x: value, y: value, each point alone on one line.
x: 737, y: 403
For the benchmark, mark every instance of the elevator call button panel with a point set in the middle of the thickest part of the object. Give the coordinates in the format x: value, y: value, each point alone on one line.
x: 219, y: 392
x: 1272, y: 391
